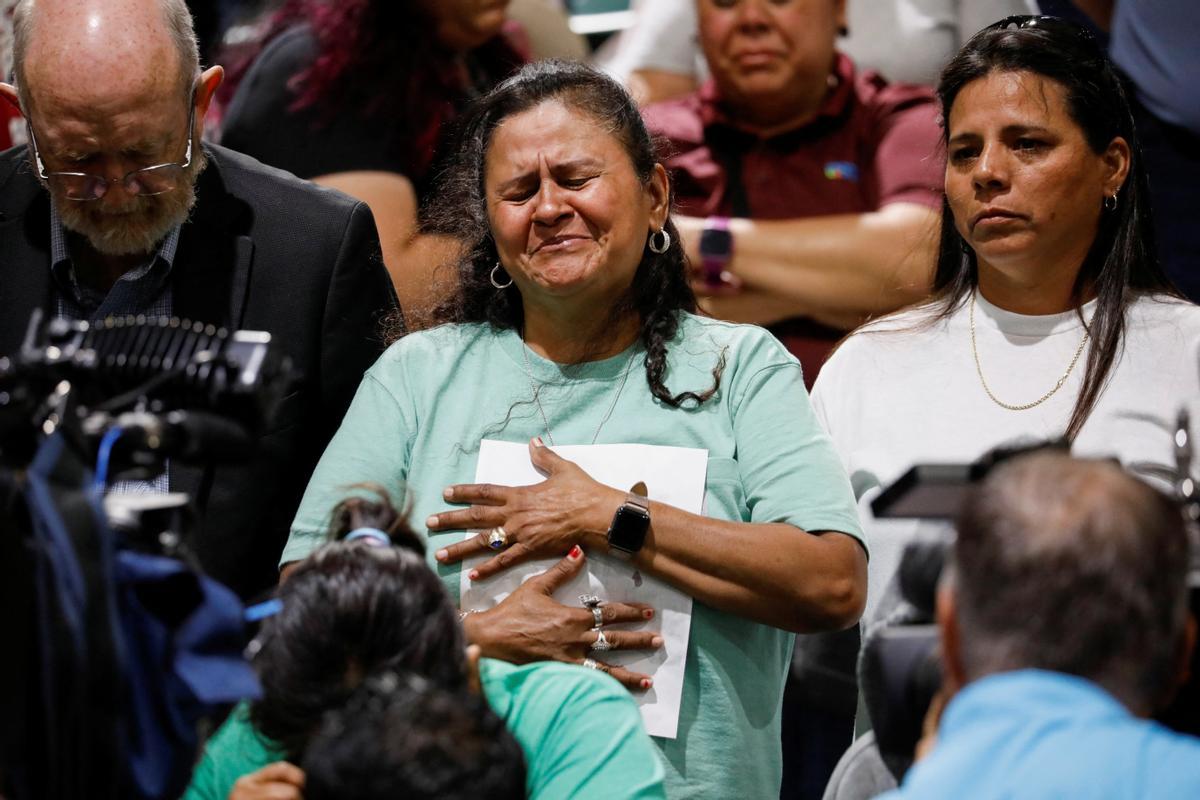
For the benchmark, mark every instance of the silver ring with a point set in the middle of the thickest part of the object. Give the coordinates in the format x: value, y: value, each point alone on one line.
x: 497, y: 538
x: 602, y: 643
x: 590, y: 663
x: 592, y: 602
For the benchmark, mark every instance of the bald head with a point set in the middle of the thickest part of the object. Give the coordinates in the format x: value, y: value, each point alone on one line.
x: 103, y: 54
x: 110, y: 88
x: 1073, y: 566
x: 1052, y: 502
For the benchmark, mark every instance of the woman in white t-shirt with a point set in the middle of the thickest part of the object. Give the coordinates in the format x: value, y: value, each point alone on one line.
x: 1051, y: 317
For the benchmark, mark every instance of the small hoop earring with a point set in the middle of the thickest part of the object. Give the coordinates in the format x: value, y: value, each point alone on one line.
x: 1110, y: 203
x: 661, y: 248
x: 497, y: 283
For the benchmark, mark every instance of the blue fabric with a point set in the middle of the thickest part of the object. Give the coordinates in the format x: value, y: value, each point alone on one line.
x: 1157, y: 43
x: 73, y: 621
x: 183, y: 637
x: 60, y: 575
x: 171, y: 639
x: 1035, y: 734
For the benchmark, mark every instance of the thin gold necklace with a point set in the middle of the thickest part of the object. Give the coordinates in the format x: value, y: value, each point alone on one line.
x: 537, y: 391
x: 1024, y: 406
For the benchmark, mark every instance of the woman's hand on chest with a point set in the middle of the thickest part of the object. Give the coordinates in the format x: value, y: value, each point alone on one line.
x: 522, y: 523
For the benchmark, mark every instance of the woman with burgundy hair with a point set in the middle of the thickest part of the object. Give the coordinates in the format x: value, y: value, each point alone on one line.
x: 354, y: 95
x: 364, y: 84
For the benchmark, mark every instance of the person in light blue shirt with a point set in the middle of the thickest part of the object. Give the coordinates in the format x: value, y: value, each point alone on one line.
x: 1064, y: 623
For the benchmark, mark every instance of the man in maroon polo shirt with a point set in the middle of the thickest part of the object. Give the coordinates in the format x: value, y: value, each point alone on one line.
x: 811, y: 193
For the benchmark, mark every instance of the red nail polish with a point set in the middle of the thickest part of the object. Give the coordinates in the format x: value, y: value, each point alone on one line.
x: 647, y: 683
x: 648, y: 613
x: 473, y: 574
x: 537, y: 442
x: 575, y: 553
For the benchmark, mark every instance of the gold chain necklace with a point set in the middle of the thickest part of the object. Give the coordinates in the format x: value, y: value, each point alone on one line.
x: 1024, y: 406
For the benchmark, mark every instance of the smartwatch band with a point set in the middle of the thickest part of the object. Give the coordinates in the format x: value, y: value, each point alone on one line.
x: 716, y: 229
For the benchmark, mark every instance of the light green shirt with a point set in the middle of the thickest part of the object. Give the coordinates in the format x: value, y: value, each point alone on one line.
x: 423, y: 408
x: 580, y: 731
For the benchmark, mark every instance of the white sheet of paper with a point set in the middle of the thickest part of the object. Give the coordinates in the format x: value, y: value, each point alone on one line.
x: 673, y: 475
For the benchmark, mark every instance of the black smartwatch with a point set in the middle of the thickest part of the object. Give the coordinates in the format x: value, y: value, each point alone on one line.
x: 627, y: 533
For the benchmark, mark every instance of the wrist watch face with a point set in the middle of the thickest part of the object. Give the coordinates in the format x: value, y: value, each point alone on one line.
x: 716, y: 244
x: 716, y: 248
x: 628, y: 530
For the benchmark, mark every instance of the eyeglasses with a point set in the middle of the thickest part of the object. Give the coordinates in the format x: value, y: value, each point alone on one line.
x: 85, y: 187
x: 1047, y: 23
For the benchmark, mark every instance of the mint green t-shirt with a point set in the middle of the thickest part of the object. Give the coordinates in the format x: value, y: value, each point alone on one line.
x: 422, y: 409
x: 580, y: 730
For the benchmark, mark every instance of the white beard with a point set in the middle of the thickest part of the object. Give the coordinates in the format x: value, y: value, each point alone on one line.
x: 141, y: 224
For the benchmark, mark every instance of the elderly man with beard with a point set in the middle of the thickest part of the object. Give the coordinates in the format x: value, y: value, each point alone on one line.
x: 116, y: 207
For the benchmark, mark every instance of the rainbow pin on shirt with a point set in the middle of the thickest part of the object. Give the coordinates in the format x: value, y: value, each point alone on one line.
x: 841, y: 171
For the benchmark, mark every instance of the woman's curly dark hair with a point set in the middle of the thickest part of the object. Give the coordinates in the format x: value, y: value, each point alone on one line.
x: 350, y: 609
x: 401, y: 737
x: 458, y: 208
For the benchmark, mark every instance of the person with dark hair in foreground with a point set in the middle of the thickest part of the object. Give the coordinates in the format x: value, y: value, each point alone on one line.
x: 1051, y: 316
x: 402, y: 737
x: 575, y: 323
x: 368, y: 603
x: 1064, y: 622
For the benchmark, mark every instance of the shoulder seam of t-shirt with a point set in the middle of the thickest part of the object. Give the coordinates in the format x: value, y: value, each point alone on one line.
x: 369, y: 375
x: 426, y: 334
x: 736, y: 403
x: 752, y: 335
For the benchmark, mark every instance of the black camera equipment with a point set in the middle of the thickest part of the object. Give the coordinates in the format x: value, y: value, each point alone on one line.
x: 118, y: 648
x: 900, y: 669
x: 177, y: 389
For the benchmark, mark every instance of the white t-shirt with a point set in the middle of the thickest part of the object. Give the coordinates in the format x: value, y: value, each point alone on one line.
x: 898, y: 393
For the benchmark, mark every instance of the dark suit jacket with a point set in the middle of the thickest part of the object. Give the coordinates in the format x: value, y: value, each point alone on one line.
x: 261, y: 251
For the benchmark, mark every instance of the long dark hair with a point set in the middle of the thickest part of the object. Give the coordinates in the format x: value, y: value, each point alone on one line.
x: 660, y: 287
x: 348, y: 609
x: 1121, y: 262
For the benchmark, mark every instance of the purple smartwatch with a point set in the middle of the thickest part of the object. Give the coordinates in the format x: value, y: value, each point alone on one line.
x: 716, y: 249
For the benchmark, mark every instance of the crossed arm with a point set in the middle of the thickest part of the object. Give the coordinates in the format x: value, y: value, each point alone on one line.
x: 837, y: 269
